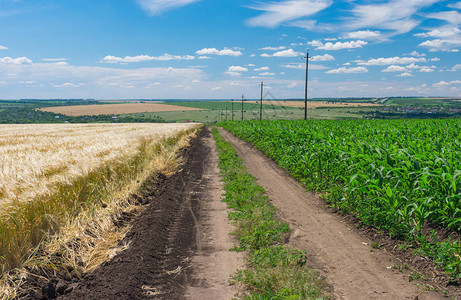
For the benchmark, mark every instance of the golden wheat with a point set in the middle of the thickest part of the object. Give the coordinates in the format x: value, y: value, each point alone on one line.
x: 82, y: 193
x: 36, y: 157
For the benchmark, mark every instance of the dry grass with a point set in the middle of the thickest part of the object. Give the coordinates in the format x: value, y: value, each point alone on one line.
x: 313, y: 105
x: 73, y: 223
x: 115, y: 109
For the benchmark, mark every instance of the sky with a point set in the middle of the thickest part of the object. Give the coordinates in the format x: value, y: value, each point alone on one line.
x: 221, y: 49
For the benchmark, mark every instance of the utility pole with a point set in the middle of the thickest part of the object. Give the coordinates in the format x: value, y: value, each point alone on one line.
x: 261, y: 104
x: 226, y: 113
x: 305, y: 90
x: 232, y: 109
x: 242, y: 107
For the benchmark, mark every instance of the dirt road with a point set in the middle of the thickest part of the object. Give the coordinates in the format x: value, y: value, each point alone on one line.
x: 344, y: 258
x: 213, y: 263
x: 178, y: 247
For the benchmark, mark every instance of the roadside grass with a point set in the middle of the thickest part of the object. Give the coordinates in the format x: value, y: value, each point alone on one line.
x: 75, y: 225
x: 276, y: 271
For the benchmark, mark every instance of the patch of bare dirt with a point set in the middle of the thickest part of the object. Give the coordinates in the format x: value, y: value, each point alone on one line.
x: 344, y: 257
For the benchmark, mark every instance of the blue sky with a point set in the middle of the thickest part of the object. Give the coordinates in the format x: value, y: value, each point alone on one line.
x: 208, y: 49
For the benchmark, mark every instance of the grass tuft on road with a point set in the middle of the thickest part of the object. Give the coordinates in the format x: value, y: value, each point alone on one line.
x: 275, y: 270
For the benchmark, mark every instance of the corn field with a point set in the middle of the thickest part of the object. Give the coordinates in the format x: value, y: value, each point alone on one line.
x: 400, y: 176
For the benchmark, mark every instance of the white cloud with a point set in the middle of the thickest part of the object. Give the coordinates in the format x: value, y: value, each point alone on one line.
x: 292, y: 85
x: 273, y: 48
x: 452, y: 17
x: 3, y: 47
x: 283, y: 53
x: 54, y: 59
x: 296, y: 66
x: 276, y: 13
x: 341, y: 45
x: 15, y: 61
x: 250, y: 65
x: 447, y: 45
x: 237, y: 69
x: 235, y: 74
x: 217, y: 88
x: 394, y: 68
x: 302, y: 66
x: 100, y: 82
x: 325, y: 57
x: 445, y: 83
x: 266, y: 74
x: 456, y: 68
x: 214, y: 51
x: 441, y: 32
x: 362, y: 34
x: 434, y: 59
x: 382, y: 61
x: 155, y: 7
x: 456, y: 5
x: 413, y: 66
x: 68, y: 84
x: 141, y: 58
x: 406, y: 74
x: 417, y: 54
x: 204, y: 57
x: 315, y: 43
x: 392, y: 15
x: 426, y: 70
x: 262, y: 69
x: 347, y: 70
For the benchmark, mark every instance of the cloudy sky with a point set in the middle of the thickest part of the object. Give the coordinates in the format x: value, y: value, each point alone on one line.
x: 210, y: 49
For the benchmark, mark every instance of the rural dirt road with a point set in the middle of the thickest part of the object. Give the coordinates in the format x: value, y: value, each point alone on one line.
x: 179, y: 245
x: 213, y: 263
x: 344, y: 258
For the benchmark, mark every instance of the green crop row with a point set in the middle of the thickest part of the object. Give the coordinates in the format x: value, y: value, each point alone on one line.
x: 401, y: 176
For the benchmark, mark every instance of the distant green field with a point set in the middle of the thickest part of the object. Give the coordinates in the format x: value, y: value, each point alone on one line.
x: 217, y: 112
x: 425, y: 102
x: 223, y: 105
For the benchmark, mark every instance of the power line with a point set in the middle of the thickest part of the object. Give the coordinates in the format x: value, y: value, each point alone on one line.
x: 261, y: 104
x: 305, y: 90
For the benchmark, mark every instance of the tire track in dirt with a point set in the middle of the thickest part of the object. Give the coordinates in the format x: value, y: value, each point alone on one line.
x: 213, y: 263
x: 346, y: 260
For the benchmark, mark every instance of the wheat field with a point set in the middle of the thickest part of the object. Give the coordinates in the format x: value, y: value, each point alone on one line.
x: 115, y: 109
x: 36, y: 157
x: 65, y: 183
